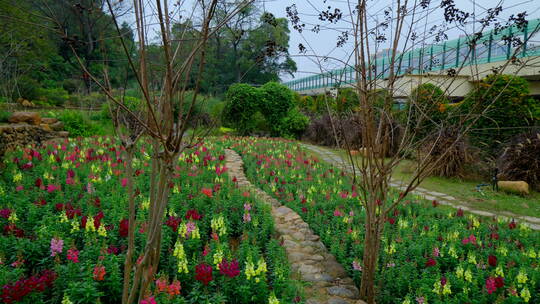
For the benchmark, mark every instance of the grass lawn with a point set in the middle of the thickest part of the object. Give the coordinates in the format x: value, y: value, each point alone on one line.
x: 465, y: 191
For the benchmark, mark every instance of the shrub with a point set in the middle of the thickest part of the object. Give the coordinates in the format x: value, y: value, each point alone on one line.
x: 4, y: 115
x: 347, y: 128
x: 455, y: 148
x: 241, y: 103
x: 506, y: 106
x: 426, y: 106
x: 27, y: 88
x: 306, y: 102
x: 346, y: 100
x: 277, y: 100
x: 94, y: 100
x: 71, y: 85
x: 520, y: 159
x: 78, y: 125
x: 53, y: 96
x: 294, y: 124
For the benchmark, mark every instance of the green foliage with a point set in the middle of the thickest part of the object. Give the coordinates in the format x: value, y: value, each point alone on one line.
x: 27, y: 88
x: 277, y: 100
x: 4, y: 115
x: 79, y: 125
x: 501, y: 105
x: 346, y: 100
x: 427, y: 105
x: 71, y: 85
x: 294, y: 124
x: 53, y: 96
x: 241, y: 104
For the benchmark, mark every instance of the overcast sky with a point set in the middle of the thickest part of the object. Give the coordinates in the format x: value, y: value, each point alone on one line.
x: 324, y: 43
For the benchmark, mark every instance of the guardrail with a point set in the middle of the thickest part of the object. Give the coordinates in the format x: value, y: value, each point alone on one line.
x: 490, y: 47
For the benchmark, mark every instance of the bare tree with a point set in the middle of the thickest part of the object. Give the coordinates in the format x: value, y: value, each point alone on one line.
x: 399, y: 27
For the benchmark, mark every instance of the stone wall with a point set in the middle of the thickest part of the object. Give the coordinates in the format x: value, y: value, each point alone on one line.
x: 17, y: 135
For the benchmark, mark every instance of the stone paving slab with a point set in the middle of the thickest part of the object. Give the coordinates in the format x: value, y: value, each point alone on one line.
x: 309, y: 258
x: 445, y: 199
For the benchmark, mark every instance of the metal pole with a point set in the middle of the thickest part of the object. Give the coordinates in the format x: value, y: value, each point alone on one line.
x: 443, y: 55
x: 489, y: 47
x: 457, y: 52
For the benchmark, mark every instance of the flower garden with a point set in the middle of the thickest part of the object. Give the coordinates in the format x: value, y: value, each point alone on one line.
x: 63, y: 215
x: 64, y: 231
x: 431, y: 253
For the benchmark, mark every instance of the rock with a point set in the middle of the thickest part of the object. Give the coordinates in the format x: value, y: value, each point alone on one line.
x: 45, y: 127
x: 63, y: 134
x: 27, y: 103
x: 32, y: 118
x: 336, y: 300
x: 342, y: 291
x: 57, y: 126
x: 49, y: 120
x: 317, y: 277
x: 519, y: 187
x: 305, y: 268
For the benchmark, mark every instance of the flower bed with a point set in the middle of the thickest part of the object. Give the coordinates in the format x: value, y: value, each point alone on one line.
x: 63, y: 221
x: 430, y: 253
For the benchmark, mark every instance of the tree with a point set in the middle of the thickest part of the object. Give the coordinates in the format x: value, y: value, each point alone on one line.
x: 25, y: 50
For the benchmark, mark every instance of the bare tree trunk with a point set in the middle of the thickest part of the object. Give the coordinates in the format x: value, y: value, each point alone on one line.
x: 128, y: 264
x: 371, y: 257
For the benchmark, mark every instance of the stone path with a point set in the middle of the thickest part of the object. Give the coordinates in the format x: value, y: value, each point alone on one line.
x: 310, y: 261
x: 444, y: 199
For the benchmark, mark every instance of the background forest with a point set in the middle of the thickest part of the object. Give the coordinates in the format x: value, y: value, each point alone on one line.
x: 38, y: 65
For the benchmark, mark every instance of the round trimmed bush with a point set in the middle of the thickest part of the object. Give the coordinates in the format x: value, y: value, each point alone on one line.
x: 277, y: 100
x: 501, y: 106
x: 294, y: 124
x: 241, y: 104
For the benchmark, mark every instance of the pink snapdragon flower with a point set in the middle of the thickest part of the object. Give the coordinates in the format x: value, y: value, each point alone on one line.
x: 56, y: 246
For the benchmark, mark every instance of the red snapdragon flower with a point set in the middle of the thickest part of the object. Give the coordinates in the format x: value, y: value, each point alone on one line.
x: 15, y: 292
x: 173, y: 222
x: 490, y: 285
x: 99, y: 273
x: 203, y: 273
x: 499, y: 282
x: 492, y: 260
x: 229, y: 269
x: 73, y: 255
x: 207, y: 192
x: 5, y: 213
x: 431, y: 262
x: 193, y: 214
x: 162, y: 285
x: 174, y: 288
x: 124, y: 228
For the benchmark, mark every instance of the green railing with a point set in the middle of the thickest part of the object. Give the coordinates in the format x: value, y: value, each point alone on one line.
x: 491, y: 47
